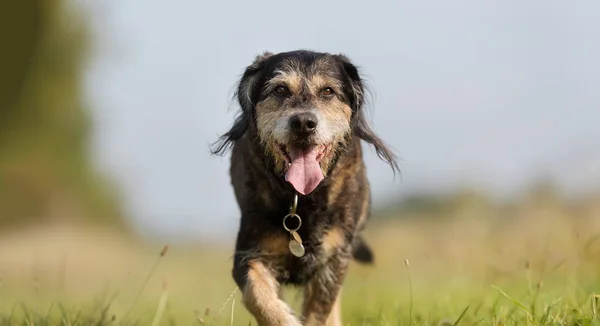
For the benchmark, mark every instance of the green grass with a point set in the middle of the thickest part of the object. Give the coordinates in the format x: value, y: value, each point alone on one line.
x: 492, y: 307
x: 460, y: 273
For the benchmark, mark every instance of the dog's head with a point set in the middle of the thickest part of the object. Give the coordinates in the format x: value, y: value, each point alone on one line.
x: 304, y: 106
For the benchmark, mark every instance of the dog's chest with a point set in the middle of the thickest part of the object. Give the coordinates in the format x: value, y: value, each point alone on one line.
x: 319, y: 232
x: 290, y: 269
x: 297, y: 270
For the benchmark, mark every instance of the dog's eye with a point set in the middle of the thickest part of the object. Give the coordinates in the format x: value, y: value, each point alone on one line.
x: 327, y: 91
x: 281, y: 90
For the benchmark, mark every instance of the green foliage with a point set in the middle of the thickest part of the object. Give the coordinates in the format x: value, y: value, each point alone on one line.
x: 430, y: 205
x: 463, y: 202
x: 45, y: 172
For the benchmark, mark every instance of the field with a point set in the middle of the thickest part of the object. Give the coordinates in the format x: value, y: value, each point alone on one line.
x: 534, y: 265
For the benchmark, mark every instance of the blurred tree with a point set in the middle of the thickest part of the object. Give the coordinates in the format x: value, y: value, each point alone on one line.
x: 543, y: 193
x: 463, y: 201
x: 45, y: 172
x: 469, y: 202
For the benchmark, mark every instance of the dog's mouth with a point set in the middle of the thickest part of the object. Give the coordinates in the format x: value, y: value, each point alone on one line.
x: 304, y: 171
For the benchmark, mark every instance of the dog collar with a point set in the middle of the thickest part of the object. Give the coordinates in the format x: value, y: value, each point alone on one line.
x: 295, y: 244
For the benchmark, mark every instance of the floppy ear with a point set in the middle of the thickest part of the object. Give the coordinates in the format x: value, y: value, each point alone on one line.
x: 355, y: 91
x: 246, y: 94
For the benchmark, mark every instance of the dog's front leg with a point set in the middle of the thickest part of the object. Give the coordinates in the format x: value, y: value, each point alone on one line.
x: 260, y: 295
x: 322, y: 295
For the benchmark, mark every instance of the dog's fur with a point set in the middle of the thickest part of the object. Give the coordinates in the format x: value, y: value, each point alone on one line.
x: 272, y: 89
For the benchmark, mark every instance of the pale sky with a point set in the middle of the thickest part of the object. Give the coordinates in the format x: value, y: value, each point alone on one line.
x: 488, y: 93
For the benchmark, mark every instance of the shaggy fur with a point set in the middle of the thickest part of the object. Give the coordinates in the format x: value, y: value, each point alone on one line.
x: 273, y: 91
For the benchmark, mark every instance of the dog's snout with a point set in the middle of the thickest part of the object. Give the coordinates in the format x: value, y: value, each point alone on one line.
x: 303, y: 123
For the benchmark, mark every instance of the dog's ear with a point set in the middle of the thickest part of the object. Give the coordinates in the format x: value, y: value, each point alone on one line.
x: 247, y: 91
x: 246, y: 94
x: 355, y: 92
x: 353, y: 84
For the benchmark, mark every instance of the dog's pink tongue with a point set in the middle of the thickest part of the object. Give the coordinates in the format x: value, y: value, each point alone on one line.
x: 304, y: 172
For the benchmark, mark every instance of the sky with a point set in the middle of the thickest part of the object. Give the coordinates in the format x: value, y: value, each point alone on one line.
x: 489, y: 94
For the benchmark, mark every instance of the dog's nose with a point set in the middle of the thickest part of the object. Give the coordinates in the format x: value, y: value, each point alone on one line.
x: 304, y: 123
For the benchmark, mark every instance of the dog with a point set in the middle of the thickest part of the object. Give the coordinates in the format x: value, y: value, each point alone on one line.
x: 300, y: 182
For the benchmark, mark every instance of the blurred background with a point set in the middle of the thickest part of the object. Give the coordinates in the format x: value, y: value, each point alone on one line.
x: 107, y: 110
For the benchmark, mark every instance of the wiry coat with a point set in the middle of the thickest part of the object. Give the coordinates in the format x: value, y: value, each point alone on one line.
x: 333, y: 215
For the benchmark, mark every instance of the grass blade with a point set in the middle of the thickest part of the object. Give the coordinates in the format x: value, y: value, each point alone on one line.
x: 517, y: 303
x: 461, y: 316
x: 595, y: 299
x: 162, y: 303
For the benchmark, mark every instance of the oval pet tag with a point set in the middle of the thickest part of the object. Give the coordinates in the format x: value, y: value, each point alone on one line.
x: 296, y: 248
x: 296, y: 236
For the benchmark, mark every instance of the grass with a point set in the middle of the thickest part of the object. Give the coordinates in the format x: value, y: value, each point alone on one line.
x: 543, y: 269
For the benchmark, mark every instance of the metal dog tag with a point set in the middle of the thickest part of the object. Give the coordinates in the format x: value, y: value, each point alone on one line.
x: 295, y: 245
x: 296, y: 236
x: 296, y: 248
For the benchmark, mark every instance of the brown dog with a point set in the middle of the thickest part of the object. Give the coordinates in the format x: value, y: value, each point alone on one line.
x: 299, y: 132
